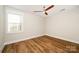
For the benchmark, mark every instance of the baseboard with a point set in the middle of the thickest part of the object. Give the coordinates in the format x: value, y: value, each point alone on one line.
x: 1, y: 48
x: 63, y: 38
x: 18, y: 40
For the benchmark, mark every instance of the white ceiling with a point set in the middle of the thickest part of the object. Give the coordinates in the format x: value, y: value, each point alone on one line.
x: 31, y: 8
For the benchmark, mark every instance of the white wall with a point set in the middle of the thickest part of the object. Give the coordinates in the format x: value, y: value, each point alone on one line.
x: 1, y: 28
x: 64, y: 25
x: 33, y: 27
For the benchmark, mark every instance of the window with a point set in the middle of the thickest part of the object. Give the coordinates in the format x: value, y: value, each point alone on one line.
x: 14, y: 22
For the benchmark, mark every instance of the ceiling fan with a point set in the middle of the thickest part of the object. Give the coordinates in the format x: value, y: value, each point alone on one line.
x: 45, y: 9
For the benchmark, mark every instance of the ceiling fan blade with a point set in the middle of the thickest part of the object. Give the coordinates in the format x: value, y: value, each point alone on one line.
x: 49, y: 7
x: 37, y: 11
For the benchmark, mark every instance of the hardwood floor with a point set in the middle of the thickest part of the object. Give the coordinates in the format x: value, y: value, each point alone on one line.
x: 43, y: 44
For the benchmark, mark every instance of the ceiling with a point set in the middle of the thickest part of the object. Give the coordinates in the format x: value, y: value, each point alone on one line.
x: 52, y: 11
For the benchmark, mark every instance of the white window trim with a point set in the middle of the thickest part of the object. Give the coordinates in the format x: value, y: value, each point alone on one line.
x: 13, y: 11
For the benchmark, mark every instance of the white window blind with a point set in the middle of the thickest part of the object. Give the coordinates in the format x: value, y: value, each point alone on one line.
x: 14, y: 22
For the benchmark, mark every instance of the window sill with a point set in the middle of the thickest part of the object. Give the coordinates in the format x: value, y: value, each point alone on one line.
x: 14, y: 32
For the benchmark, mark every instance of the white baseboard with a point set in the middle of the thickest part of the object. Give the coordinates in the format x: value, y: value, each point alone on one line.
x: 63, y: 38
x: 1, y: 48
x: 18, y: 40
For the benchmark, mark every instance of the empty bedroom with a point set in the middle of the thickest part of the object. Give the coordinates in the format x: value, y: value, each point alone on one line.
x: 39, y: 28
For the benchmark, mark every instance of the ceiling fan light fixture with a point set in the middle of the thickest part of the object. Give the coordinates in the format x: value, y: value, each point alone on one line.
x: 46, y: 13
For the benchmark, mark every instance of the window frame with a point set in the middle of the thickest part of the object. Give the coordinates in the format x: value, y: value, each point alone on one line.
x: 15, y: 12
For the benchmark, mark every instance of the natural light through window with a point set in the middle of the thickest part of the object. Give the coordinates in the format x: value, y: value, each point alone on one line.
x: 14, y: 22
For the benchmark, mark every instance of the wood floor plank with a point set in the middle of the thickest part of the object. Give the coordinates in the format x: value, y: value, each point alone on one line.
x: 43, y: 44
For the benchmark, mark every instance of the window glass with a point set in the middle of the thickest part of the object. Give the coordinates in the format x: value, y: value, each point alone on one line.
x: 14, y: 22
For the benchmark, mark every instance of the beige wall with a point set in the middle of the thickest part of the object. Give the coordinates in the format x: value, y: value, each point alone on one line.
x: 64, y: 24
x: 33, y: 27
x: 1, y: 28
